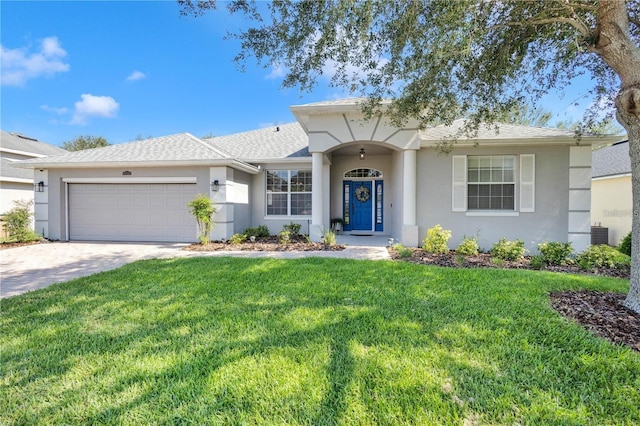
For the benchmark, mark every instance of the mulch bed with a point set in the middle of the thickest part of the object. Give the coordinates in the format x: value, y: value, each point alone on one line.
x: 602, y: 313
x: 272, y: 243
x: 5, y: 246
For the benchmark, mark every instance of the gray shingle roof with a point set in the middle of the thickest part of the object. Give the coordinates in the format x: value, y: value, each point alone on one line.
x: 9, y: 171
x: 505, y: 131
x: 18, y: 142
x: 272, y: 143
x: 178, y: 147
x: 611, y: 160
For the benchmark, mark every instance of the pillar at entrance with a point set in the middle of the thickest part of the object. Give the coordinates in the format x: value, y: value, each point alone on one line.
x: 317, y: 190
x: 410, y: 232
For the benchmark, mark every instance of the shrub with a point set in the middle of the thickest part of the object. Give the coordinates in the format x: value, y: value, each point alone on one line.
x: 436, y: 240
x: 468, y: 247
x: 555, y: 253
x: 284, y: 237
x: 537, y: 262
x: 329, y: 237
x: 18, y: 222
x: 403, y: 252
x: 508, y: 250
x: 260, y: 231
x: 237, y: 239
x: 625, y: 245
x: 202, y: 209
x: 293, y: 228
x: 602, y: 256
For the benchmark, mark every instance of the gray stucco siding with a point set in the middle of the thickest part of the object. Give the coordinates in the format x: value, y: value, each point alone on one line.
x: 549, y: 221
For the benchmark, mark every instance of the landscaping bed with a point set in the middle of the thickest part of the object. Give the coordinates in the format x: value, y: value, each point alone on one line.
x: 601, y: 313
x: 271, y: 243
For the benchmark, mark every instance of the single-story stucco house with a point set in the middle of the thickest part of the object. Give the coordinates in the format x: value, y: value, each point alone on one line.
x: 17, y: 183
x: 524, y: 183
x: 611, y: 196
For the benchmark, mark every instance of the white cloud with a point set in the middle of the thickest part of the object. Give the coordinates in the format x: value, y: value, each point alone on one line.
x: 20, y: 65
x: 94, y: 106
x: 59, y: 111
x: 277, y: 71
x: 136, y: 75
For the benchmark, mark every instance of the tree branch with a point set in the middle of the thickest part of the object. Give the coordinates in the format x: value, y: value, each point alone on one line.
x: 582, y: 29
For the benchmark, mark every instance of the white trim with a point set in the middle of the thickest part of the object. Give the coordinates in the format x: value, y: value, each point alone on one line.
x: 27, y: 154
x: 169, y: 179
x: 32, y: 164
x: 281, y: 217
x: 527, y: 186
x: 622, y: 175
x: 489, y: 213
x: 66, y: 210
x: 16, y: 180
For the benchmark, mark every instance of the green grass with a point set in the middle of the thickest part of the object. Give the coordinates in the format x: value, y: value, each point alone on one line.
x: 310, y: 341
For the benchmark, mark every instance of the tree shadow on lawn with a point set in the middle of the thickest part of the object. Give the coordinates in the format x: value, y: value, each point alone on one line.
x: 323, y: 342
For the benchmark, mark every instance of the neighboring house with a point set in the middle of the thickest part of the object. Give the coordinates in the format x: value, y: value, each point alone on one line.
x: 527, y: 183
x: 611, y: 197
x: 17, y: 183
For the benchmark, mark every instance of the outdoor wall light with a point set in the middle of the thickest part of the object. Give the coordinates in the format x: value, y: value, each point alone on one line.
x: 215, y: 185
x: 362, y: 153
x: 39, y: 187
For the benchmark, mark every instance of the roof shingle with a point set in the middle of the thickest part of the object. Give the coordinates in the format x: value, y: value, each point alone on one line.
x: 611, y: 160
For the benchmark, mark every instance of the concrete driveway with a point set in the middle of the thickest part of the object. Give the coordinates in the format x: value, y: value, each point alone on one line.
x: 37, y: 266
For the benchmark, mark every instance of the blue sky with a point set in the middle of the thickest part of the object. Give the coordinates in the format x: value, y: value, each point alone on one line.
x: 123, y: 69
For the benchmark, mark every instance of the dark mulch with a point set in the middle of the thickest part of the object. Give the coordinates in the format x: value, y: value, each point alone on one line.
x: 601, y: 313
x: 4, y: 246
x: 298, y: 243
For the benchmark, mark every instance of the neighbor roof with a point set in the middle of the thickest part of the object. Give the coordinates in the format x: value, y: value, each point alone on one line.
x: 27, y: 145
x: 271, y: 143
x: 174, y: 149
x: 611, y: 160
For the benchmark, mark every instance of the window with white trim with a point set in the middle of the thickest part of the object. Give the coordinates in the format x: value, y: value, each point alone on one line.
x: 490, y: 183
x: 288, y: 192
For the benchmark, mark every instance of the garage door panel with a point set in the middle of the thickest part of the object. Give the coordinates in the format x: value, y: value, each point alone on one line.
x: 131, y: 212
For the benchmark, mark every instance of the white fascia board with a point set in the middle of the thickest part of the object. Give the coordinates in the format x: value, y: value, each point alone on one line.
x: 168, y: 179
x: 16, y: 180
x: 621, y: 175
x: 25, y: 153
x: 284, y: 160
x: 585, y: 141
x: 113, y: 164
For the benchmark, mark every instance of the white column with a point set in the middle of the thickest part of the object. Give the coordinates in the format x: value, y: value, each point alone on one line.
x: 317, y: 191
x: 409, y: 192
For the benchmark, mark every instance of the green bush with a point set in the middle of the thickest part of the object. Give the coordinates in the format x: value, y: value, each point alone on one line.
x: 293, y: 228
x: 602, y: 256
x: 18, y: 222
x: 284, y: 237
x: 403, y: 252
x: 237, y: 239
x: 625, y: 245
x: 436, y: 240
x: 202, y: 209
x: 555, y: 253
x: 508, y: 250
x: 260, y: 231
x: 329, y: 237
x: 468, y: 247
x: 537, y: 262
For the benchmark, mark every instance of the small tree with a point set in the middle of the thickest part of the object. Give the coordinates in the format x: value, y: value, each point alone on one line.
x: 18, y: 222
x: 202, y: 209
x: 85, y: 142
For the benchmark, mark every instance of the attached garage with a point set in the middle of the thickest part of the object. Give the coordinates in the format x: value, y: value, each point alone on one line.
x: 131, y: 212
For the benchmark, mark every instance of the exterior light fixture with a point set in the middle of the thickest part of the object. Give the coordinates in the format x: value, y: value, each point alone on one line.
x: 39, y: 187
x: 215, y: 185
x: 362, y: 153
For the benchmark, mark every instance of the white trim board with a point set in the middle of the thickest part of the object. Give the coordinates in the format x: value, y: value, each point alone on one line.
x: 169, y: 179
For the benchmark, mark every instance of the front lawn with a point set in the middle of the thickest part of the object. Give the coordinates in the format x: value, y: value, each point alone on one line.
x: 310, y: 341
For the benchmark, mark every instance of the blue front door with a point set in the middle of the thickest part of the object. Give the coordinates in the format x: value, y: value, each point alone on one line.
x: 362, y: 206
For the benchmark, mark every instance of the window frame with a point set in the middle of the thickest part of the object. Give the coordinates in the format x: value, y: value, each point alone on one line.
x: 481, y: 169
x: 289, y: 192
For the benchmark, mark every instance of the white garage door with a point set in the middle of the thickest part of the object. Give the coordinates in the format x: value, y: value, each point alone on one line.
x: 131, y: 212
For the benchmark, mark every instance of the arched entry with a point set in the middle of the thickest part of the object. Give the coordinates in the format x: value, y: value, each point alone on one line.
x: 363, y: 200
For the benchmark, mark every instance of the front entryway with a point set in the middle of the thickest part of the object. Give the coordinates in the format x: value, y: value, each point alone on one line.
x: 363, y: 205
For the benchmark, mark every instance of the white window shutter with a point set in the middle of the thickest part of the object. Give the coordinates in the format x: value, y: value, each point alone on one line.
x: 459, y: 196
x: 527, y: 183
